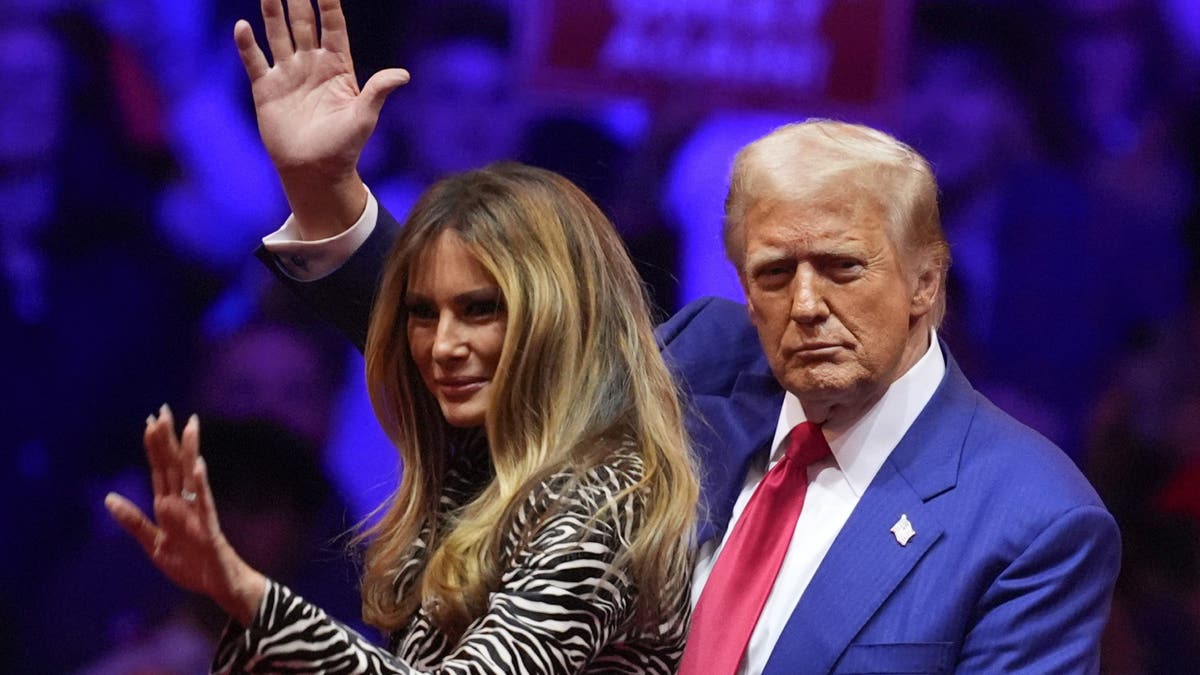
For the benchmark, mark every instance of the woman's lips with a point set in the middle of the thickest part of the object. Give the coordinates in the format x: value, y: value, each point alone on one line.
x: 458, y: 388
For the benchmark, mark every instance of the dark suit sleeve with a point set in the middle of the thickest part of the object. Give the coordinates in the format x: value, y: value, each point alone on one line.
x: 672, y: 328
x: 709, y: 344
x: 344, y: 297
x: 1047, y: 609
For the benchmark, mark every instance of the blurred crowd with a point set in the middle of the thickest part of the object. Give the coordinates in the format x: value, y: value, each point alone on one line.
x: 1065, y: 135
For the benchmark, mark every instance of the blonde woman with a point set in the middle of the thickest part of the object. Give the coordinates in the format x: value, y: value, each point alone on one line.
x: 544, y: 518
x: 546, y: 511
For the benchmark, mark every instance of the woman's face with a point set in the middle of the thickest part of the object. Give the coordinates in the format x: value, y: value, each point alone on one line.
x: 456, y: 322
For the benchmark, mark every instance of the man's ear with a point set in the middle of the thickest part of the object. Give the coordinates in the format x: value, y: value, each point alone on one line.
x: 926, y: 287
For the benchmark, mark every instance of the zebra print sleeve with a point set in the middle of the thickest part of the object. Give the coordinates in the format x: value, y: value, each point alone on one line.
x: 291, y: 635
x: 560, y: 603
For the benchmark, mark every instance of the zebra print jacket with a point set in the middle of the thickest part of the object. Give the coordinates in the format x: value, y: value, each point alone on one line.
x: 560, y: 606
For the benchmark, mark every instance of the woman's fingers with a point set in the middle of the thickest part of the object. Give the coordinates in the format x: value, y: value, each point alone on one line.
x: 168, y: 448
x: 189, y: 453
x: 253, y: 59
x: 184, y: 539
x: 132, y: 520
x: 279, y: 39
x: 304, y: 24
x: 204, y: 494
x: 172, y: 462
x: 158, y: 478
x: 333, y: 27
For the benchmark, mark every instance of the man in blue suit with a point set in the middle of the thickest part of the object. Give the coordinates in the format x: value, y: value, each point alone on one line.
x: 1009, y: 557
x: 937, y: 535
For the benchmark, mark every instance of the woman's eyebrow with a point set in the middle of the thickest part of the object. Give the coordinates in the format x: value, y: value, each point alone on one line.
x: 487, y: 293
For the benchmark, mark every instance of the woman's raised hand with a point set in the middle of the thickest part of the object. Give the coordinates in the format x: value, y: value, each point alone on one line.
x: 313, y: 118
x: 184, y: 540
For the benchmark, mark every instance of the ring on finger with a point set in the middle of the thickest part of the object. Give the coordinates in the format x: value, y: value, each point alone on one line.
x: 188, y: 495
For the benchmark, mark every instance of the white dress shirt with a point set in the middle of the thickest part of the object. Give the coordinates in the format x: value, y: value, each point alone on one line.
x: 311, y: 260
x: 836, y: 483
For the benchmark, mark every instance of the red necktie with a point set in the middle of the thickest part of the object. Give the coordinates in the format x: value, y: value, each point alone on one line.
x: 746, y: 568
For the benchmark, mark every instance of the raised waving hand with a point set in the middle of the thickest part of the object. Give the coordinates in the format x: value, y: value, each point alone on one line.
x: 313, y: 118
x: 184, y: 540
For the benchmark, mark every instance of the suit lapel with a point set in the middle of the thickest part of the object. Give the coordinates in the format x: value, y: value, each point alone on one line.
x: 866, y: 563
x: 726, y: 433
x: 860, y: 571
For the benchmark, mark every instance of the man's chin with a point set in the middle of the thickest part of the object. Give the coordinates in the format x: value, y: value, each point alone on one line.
x: 824, y: 384
x: 820, y: 376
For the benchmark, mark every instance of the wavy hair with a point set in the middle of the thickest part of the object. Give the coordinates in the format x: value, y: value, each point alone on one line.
x: 579, y: 375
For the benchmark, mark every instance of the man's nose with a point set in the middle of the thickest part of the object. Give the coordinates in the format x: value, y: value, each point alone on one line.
x: 808, y: 297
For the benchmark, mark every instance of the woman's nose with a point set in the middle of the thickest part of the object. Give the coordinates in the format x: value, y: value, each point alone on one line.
x: 450, y: 340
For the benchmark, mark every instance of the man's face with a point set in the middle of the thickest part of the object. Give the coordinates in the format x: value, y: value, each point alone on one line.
x: 834, y: 303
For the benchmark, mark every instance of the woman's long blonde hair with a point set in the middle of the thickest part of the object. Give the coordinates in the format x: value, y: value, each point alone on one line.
x: 579, y: 375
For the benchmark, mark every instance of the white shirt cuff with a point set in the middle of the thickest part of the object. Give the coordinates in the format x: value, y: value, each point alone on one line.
x: 313, y: 260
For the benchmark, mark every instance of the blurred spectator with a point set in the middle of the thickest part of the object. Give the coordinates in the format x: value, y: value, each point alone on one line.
x: 963, y: 110
x: 1119, y: 113
x: 1153, y: 389
x: 274, y: 370
x: 284, y: 367
x: 264, y: 393
x: 287, y: 369
x: 1036, y: 245
x: 1144, y: 459
x: 1016, y: 279
x: 585, y: 151
x: 192, y: 96
x: 461, y: 109
x: 93, y: 308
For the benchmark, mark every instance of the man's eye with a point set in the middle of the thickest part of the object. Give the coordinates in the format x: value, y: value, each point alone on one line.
x: 847, y: 266
x: 773, y: 271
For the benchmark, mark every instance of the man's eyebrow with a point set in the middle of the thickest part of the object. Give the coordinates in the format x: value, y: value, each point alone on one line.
x: 766, y: 255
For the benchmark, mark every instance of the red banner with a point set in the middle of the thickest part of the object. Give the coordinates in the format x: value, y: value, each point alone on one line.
x: 742, y: 53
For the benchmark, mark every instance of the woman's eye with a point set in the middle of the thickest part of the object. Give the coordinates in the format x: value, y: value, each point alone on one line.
x: 421, y: 311
x: 484, y: 308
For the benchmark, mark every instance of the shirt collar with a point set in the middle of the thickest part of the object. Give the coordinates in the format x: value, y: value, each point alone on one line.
x: 861, y: 448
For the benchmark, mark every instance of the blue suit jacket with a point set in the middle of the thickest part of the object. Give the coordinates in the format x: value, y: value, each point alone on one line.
x: 1014, y: 559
